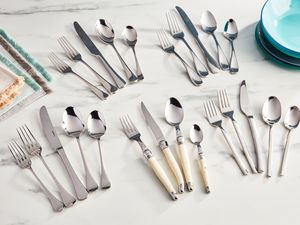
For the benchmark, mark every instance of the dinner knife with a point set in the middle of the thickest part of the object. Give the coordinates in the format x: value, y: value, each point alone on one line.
x: 163, y: 145
x: 212, y: 64
x: 50, y: 133
x: 246, y: 109
x: 120, y: 82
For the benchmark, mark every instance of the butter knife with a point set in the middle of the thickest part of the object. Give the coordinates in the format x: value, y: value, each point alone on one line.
x: 163, y: 145
x: 246, y: 109
x: 50, y: 133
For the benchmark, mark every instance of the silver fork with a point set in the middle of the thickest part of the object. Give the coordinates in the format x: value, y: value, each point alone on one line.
x: 133, y: 134
x: 228, y: 112
x: 177, y: 33
x: 63, y: 67
x: 24, y: 162
x: 215, y: 120
x: 74, y: 55
x: 167, y: 46
x: 33, y: 148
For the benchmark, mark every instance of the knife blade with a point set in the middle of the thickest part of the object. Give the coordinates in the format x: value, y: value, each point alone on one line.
x: 244, y: 100
x: 189, y: 24
x: 120, y: 82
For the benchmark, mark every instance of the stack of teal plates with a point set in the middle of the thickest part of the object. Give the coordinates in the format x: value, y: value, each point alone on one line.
x: 278, y: 32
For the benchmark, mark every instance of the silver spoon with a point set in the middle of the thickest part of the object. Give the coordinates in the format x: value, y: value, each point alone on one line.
x: 196, y: 136
x: 130, y: 36
x: 96, y: 128
x: 231, y: 33
x: 291, y: 122
x: 174, y: 116
x: 107, y: 35
x: 73, y: 127
x: 209, y: 25
x: 271, y: 113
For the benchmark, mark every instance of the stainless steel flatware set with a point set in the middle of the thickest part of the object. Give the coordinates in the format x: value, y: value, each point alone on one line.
x: 73, y: 126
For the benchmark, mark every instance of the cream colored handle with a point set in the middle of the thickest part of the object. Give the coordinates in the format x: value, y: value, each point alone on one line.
x: 186, y: 166
x: 160, y: 173
x: 203, y: 171
x: 175, y: 169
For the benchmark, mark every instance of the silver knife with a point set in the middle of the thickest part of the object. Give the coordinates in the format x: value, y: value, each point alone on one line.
x: 163, y: 145
x: 120, y: 82
x: 246, y: 109
x: 55, y: 143
x: 210, y: 61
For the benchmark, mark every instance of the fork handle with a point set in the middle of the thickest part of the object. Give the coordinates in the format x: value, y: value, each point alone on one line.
x: 161, y: 175
x: 185, y: 162
x: 234, y: 152
x: 175, y: 169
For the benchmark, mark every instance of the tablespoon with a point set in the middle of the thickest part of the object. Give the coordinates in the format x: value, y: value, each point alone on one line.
x: 130, y: 36
x: 271, y: 113
x: 96, y: 128
x: 196, y: 136
x: 231, y: 33
x: 174, y: 116
x: 107, y: 35
x: 291, y: 122
x: 73, y: 127
x: 209, y: 25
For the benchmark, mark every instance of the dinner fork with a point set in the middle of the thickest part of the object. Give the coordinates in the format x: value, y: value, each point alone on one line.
x: 24, y: 162
x: 33, y: 148
x: 168, y: 47
x: 63, y: 67
x: 215, y: 120
x: 177, y: 33
x: 228, y: 112
x: 133, y: 134
x: 74, y: 55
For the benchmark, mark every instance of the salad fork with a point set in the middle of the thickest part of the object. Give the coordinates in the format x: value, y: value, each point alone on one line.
x: 63, y: 67
x: 168, y: 47
x: 133, y: 134
x: 33, y: 148
x: 177, y: 33
x: 215, y: 120
x: 228, y: 112
x: 24, y: 162
x: 74, y: 55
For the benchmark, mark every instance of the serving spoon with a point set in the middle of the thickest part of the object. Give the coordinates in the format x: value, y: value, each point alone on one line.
x: 291, y: 122
x: 271, y: 113
x: 107, y: 35
x: 73, y: 127
x: 174, y: 115
x: 130, y: 36
x: 96, y: 128
x: 209, y: 25
x: 231, y: 33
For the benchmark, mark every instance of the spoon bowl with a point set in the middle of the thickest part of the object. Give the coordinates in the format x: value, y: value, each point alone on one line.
x: 174, y: 112
x: 208, y: 22
x: 292, y: 118
x: 130, y: 35
x: 96, y: 124
x: 105, y: 30
x: 196, y: 134
x: 271, y: 110
x: 72, y: 123
x: 230, y: 30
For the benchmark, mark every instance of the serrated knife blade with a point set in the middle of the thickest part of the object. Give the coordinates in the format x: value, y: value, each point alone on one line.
x: 244, y: 100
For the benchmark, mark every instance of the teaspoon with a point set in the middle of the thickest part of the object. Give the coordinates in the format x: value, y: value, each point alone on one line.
x: 209, y: 25
x: 96, y: 128
x: 196, y: 136
x: 271, y: 113
x: 130, y: 36
x: 174, y: 116
x: 107, y: 35
x: 73, y: 127
x: 231, y: 33
x: 291, y: 122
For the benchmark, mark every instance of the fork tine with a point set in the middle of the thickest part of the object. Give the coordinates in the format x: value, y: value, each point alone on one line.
x: 12, y: 151
x: 22, y: 136
x: 174, y: 22
x: 175, y: 18
x: 134, y: 129
x: 20, y: 151
x: 170, y: 22
x: 214, y: 108
x: 206, y: 109
x: 159, y: 38
x: 226, y: 98
x: 167, y: 40
x: 30, y: 133
x: 54, y: 62
x: 70, y: 50
x: 211, y: 107
x: 219, y: 99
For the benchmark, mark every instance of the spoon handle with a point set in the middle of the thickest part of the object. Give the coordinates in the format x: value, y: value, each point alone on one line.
x: 221, y: 56
x: 203, y: 170
x: 185, y: 162
x: 105, y: 182
x: 234, y: 66
x: 175, y: 169
x: 285, y: 154
x: 270, y: 153
x: 140, y: 75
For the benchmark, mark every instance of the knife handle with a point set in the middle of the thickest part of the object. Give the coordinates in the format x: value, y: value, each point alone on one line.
x: 81, y: 192
x: 120, y: 82
x: 161, y: 175
x: 175, y: 169
x: 186, y: 166
x: 259, y: 156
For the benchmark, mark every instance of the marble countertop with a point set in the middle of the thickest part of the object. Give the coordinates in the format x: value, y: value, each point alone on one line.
x: 136, y: 197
